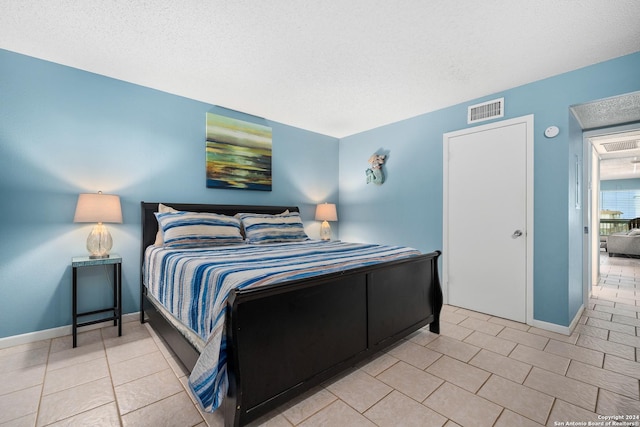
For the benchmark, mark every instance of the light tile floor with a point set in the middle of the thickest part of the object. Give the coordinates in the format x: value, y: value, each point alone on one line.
x: 481, y: 371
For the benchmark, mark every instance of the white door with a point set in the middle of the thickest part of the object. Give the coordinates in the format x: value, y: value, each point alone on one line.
x: 488, y: 227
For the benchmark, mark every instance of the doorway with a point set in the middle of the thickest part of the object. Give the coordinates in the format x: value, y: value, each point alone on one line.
x: 615, y: 168
x: 599, y: 117
x: 488, y: 218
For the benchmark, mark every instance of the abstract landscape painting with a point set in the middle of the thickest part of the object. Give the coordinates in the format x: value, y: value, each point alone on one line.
x: 238, y: 154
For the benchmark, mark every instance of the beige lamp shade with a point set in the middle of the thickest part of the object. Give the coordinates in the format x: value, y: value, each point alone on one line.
x: 98, y: 208
x: 326, y: 212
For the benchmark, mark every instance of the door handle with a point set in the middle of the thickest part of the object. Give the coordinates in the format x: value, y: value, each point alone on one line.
x: 516, y: 234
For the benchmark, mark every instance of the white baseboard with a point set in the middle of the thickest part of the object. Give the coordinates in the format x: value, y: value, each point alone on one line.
x: 565, y: 330
x: 57, y: 332
x: 576, y: 319
x: 130, y: 317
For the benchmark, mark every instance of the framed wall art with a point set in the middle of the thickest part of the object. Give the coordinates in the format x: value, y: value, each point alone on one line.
x: 238, y: 154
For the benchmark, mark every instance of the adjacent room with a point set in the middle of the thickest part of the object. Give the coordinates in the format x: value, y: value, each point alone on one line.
x: 319, y: 213
x: 619, y: 198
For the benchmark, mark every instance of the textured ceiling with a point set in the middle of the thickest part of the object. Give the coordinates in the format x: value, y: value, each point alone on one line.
x: 336, y: 67
x: 623, y: 161
x: 613, y: 111
x: 619, y: 151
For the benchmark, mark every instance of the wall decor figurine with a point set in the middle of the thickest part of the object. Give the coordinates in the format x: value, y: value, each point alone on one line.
x: 375, y: 173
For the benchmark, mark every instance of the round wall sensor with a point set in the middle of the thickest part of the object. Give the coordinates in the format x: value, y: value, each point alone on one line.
x: 551, y: 131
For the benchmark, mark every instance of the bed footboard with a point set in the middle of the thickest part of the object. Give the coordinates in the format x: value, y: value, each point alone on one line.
x: 287, y: 339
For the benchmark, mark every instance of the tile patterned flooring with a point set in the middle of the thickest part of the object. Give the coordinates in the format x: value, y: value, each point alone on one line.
x: 481, y: 371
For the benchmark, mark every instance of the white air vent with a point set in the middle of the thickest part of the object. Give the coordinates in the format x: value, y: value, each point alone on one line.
x: 630, y: 144
x: 485, y: 111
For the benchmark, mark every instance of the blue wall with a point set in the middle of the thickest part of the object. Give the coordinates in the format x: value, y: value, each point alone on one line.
x: 620, y: 184
x: 407, y: 209
x: 64, y: 131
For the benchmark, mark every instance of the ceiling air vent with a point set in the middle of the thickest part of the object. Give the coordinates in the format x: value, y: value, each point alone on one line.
x: 630, y: 144
x: 485, y: 111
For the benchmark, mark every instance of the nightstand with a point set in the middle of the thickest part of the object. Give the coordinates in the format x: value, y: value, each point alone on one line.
x: 116, y: 310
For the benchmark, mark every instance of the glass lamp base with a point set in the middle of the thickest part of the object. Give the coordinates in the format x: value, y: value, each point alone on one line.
x: 325, y: 231
x: 99, y: 242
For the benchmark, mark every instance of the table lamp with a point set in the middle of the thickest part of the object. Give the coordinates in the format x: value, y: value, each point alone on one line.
x: 326, y: 212
x: 98, y: 208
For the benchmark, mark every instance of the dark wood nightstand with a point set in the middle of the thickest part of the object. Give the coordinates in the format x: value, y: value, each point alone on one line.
x: 116, y: 310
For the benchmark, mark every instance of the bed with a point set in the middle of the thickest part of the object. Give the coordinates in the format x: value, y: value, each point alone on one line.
x: 281, y: 339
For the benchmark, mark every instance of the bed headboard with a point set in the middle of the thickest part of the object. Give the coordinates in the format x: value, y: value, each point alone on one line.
x: 150, y: 224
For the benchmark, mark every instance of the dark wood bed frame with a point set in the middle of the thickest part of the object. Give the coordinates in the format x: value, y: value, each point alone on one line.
x: 286, y: 338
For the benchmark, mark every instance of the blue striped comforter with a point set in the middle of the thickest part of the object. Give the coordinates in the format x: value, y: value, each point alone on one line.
x: 194, y: 284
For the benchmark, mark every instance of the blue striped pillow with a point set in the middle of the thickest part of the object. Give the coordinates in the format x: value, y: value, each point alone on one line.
x: 198, y: 229
x: 261, y: 228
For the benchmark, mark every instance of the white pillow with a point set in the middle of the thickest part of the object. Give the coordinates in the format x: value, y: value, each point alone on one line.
x: 162, y: 209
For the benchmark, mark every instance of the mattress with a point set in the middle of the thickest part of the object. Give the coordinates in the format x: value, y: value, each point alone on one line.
x: 195, y: 340
x: 194, y: 284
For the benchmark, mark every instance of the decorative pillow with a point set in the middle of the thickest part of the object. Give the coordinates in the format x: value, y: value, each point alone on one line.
x: 198, y: 229
x: 261, y: 228
x: 162, y: 209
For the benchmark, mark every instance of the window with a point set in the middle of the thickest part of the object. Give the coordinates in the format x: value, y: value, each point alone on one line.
x: 616, y: 209
x: 627, y: 202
